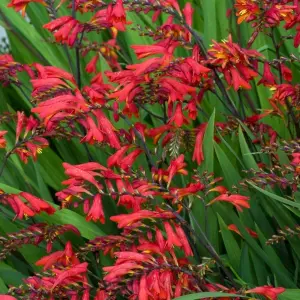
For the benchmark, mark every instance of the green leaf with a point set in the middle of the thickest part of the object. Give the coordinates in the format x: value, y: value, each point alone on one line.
x: 208, y: 145
x: 3, y: 287
x: 290, y: 294
x: 275, y: 197
x: 9, y: 275
x: 246, y: 153
x: 232, y: 248
x: 207, y: 295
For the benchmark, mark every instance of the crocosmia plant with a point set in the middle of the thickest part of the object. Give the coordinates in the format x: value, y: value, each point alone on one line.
x: 150, y: 150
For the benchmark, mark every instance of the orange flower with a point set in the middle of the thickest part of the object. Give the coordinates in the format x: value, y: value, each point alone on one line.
x: 176, y: 166
x: 234, y: 62
x: 246, y: 10
x: 233, y: 227
x: 238, y: 201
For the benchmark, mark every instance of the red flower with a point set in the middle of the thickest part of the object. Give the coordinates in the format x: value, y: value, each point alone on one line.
x: 238, y: 201
x: 127, y: 162
x: 93, y: 134
x: 19, y: 207
x: 20, y: 121
x: 129, y: 219
x: 117, y: 157
x: 108, y: 129
x: 188, y: 13
x: 246, y: 10
x: 66, y: 29
x: 198, y: 155
x: 116, y: 15
x: 101, y: 295
x: 237, y: 64
x: 296, y: 159
x: 38, y: 204
x: 176, y: 166
x: 233, y: 227
x: 92, y: 65
x: 286, y: 72
x: 7, y: 297
x: 143, y: 291
x: 268, y: 79
x: 269, y: 292
x: 178, y: 117
x: 84, y: 172
x: 172, y: 238
x: 96, y: 212
x: 184, y: 241
x: 20, y: 5
x: 71, y: 274
x: 2, y: 139
x: 69, y: 103
x: 237, y: 81
x: 65, y: 257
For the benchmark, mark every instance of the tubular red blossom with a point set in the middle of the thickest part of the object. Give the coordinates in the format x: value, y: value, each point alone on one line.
x: 143, y: 291
x: 69, y: 103
x: 47, y: 72
x: 246, y: 10
x: 268, y: 79
x: 71, y: 273
x: 120, y: 270
x: 2, y: 139
x: 286, y: 72
x: 172, y: 238
x: 20, y: 122
x: 178, y: 118
x: 20, y: 5
x: 184, y: 241
x: 188, y: 13
x: 83, y: 172
x: 117, y: 16
x: 129, y: 219
x: 108, y: 129
x: 220, y: 189
x: 92, y: 65
x: 198, y: 155
x: 7, y: 297
x: 115, y: 159
x: 38, y: 204
x: 65, y: 257
x: 296, y: 159
x: 237, y: 81
x: 93, y: 134
x: 129, y: 256
x: 255, y: 118
x: 66, y: 29
x: 101, y: 295
x: 233, y: 227
x: 96, y: 211
x: 176, y: 166
x: 19, y: 207
x: 127, y: 161
x: 269, y: 292
x: 238, y: 201
x: 236, y: 63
